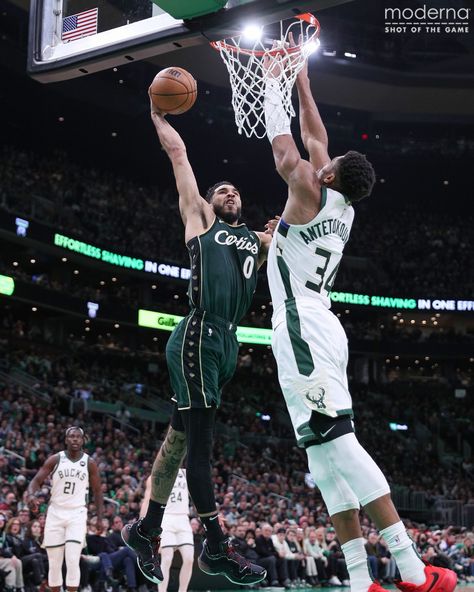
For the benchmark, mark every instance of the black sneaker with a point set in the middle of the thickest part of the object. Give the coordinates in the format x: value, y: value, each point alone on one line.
x: 230, y: 564
x: 146, y: 547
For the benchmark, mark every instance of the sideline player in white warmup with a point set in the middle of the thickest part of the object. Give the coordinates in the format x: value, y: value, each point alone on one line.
x: 177, y: 532
x: 71, y: 472
x: 310, y: 345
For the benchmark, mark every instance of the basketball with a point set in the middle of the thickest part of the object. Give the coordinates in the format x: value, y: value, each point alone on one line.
x: 173, y: 91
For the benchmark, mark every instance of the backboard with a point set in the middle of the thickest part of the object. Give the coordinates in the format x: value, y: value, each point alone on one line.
x: 71, y: 38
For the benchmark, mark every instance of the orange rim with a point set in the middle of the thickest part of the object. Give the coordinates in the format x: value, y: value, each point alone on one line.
x: 307, y: 17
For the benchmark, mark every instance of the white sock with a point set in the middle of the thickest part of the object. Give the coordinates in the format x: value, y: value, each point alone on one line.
x: 412, y: 568
x: 357, y: 565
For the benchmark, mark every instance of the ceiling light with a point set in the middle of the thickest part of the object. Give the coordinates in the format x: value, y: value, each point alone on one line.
x: 252, y: 32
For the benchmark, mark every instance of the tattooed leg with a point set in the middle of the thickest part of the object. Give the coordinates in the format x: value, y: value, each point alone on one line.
x: 166, y: 465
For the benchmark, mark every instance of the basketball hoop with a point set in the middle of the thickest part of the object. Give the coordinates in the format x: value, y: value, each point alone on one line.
x: 252, y: 63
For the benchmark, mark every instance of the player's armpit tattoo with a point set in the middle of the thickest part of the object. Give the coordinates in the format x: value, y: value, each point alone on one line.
x: 166, y: 465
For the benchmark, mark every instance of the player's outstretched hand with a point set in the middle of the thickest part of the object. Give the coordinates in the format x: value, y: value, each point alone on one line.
x: 303, y: 73
x: 153, y: 110
x: 271, y: 225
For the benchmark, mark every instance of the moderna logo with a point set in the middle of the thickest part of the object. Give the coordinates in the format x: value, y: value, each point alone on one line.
x: 427, y: 19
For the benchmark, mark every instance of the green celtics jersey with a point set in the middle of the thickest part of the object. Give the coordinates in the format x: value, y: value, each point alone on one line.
x: 223, y: 270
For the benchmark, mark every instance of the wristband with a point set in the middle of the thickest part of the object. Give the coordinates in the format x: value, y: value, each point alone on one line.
x: 277, y: 121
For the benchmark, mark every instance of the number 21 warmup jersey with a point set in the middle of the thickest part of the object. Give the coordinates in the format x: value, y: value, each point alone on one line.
x: 70, y: 482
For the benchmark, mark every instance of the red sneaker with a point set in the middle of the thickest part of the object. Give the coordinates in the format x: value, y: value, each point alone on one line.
x: 376, y: 587
x: 438, y: 579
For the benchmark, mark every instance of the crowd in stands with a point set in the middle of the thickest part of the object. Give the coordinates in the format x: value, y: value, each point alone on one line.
x: 102, y: 370
x: 126, y: 295
x: 105, y: 208
x: 369, y: 330
x: 265, y: 505
x: 260, y: 476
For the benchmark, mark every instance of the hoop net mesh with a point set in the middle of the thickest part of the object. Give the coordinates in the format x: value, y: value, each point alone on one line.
x: 251, y: 67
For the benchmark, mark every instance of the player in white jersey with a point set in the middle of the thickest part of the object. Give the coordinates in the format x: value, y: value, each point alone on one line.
x: 177, y: 532
x: 310, y: 345
x: 71, y: 472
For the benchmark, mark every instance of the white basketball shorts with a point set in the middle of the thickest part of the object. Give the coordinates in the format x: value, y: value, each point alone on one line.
x: 176, y: 531
x: 64, y: 526
x: 310, y: 347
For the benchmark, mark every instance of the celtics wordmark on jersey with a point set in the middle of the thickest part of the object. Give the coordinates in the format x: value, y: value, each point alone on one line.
x: 223, y: 270
x: 70, y: 482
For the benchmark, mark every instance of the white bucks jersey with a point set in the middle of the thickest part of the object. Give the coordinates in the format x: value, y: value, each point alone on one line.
x: 304, y: 258
x: 70, y: 481
x: 178, y: 501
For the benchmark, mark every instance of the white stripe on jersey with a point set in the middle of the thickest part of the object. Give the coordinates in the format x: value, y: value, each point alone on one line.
x: 303, y: 258
x: 70, y: 482
x: 178, y: 501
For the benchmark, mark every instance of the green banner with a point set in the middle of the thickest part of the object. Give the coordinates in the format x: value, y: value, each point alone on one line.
x: 7, y: 285
x: 157, y: 320
x: 167, y: 322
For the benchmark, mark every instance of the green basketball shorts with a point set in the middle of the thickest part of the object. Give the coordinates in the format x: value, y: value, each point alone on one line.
x: 202, y: 356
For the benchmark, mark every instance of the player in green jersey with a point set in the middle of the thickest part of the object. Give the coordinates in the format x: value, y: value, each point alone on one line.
x: 202, y: 356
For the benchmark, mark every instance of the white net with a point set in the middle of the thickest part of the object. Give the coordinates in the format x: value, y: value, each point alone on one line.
x: 251, y: 65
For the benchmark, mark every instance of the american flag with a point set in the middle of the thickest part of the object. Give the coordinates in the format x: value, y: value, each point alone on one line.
x: 80, y: 25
